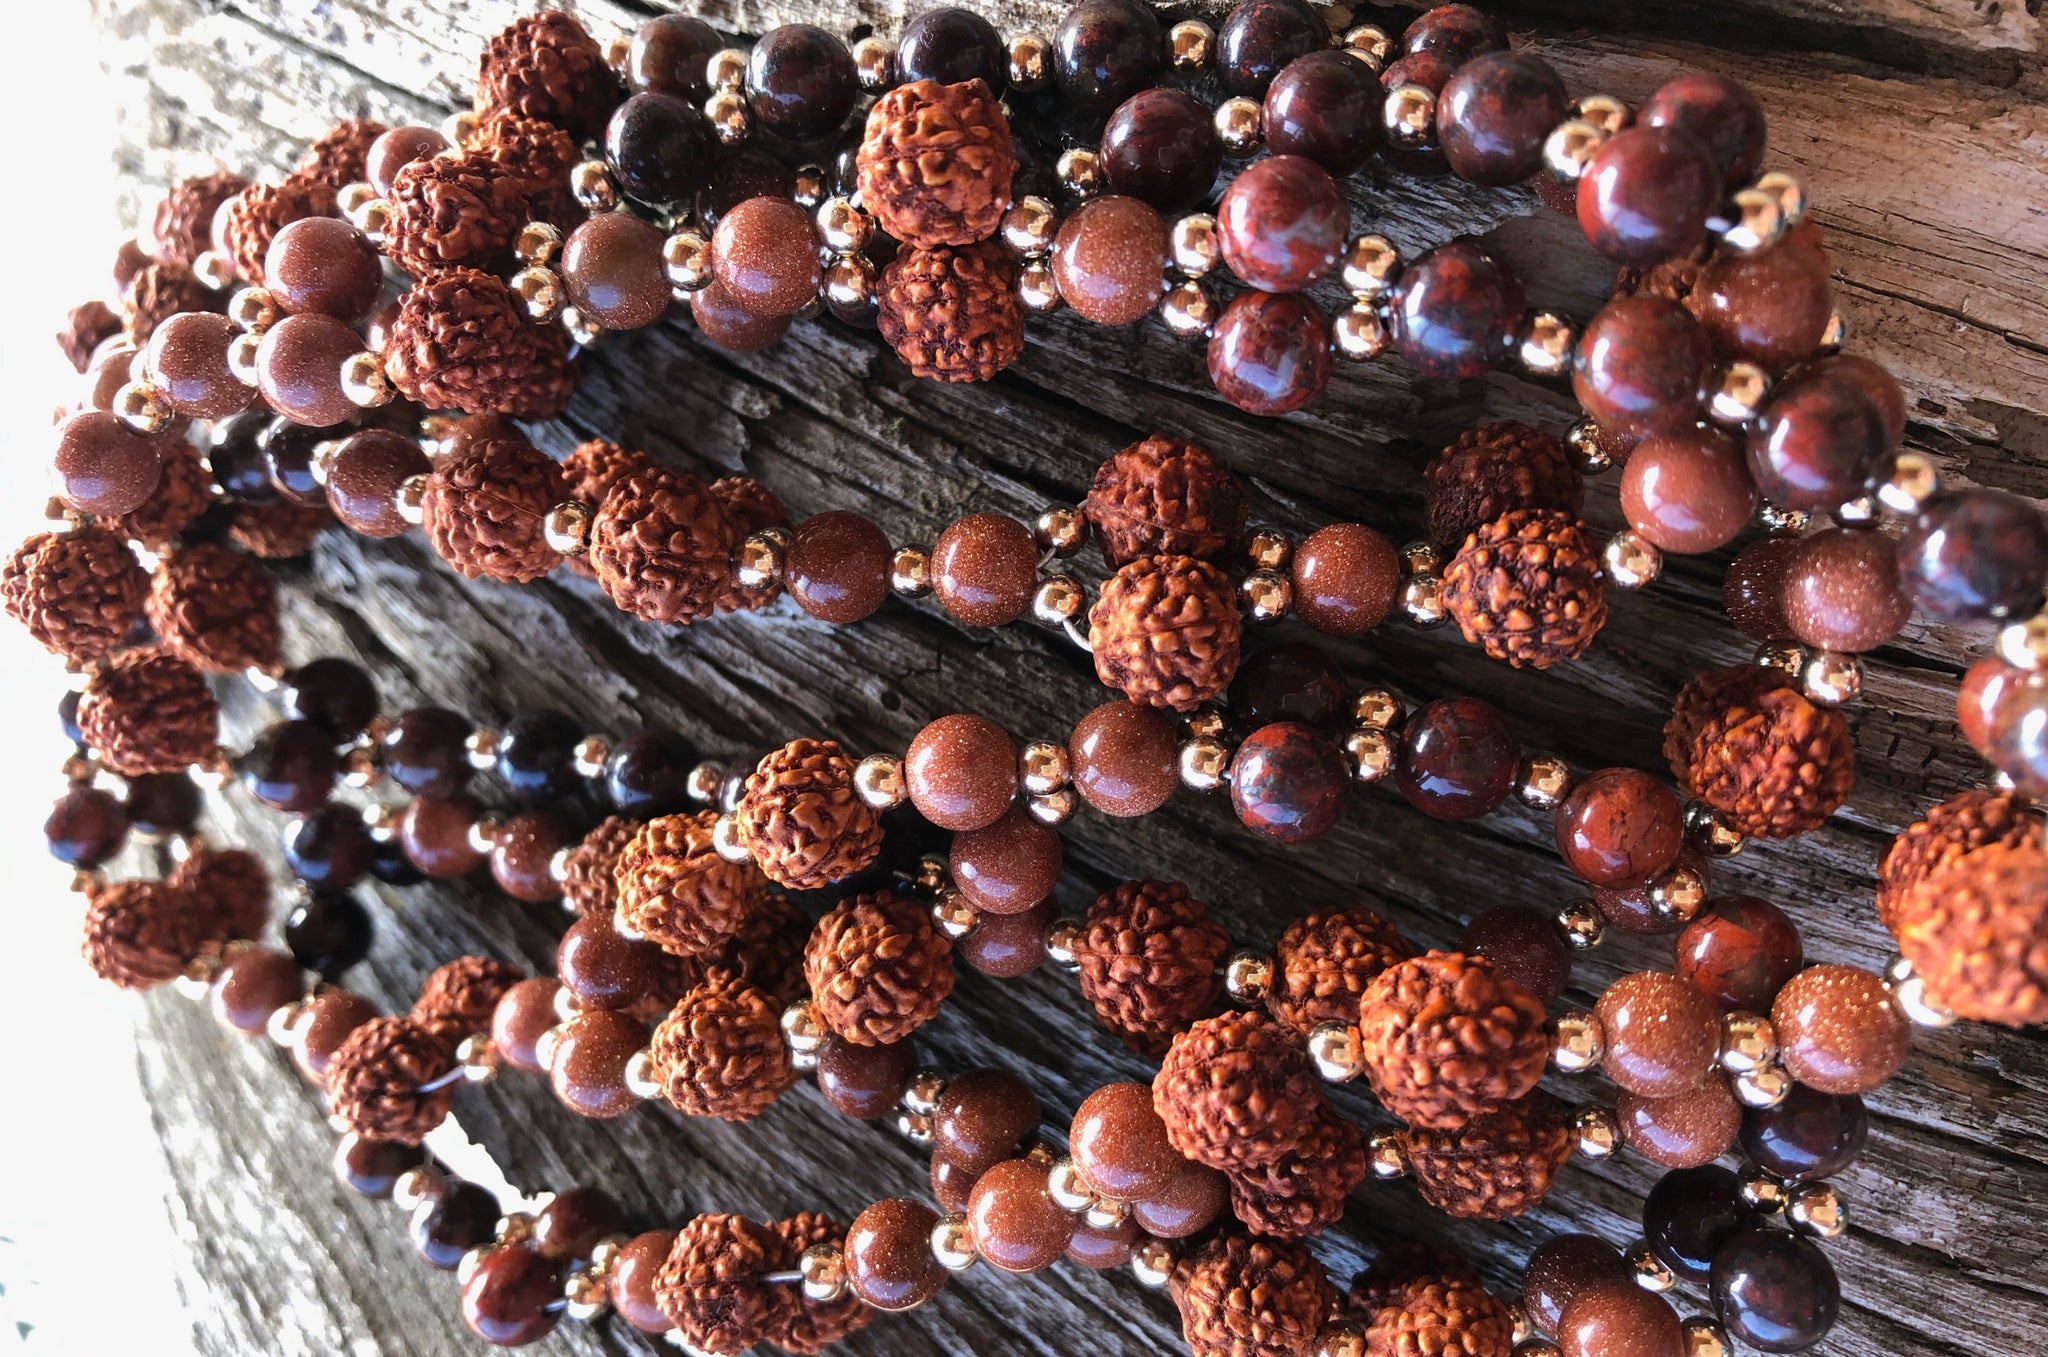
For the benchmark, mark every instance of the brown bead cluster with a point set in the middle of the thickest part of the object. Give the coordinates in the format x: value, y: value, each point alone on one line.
x: 157, y: 292
x: 459, y: 997
x: 140, y: 933
x: 803, y: 818
x: 1493, y: 469
x: 952, y: 312
x: 147, y: 711
x: 183, y: 492
x: 662, y: 546
x: 719, y: 1052
x: 1166, y: 632
x: 1236, y: 1092
x: 1402, y: 1268
x: 1494, y: 1166
x: 181, y: 227
x: 230, y: 887
x: 216, y: 608
x: 1243, y: 1296
x: 1957, y: 827
x: 588, y: 883
x: 1976, y: 932
x: 462, y: 341
x: 677, y: 892
x: 254, y: 216
x: 1165, y: 496
x: 546, y: 66
x: 376, y: 1081
x: 277, y: 532
x: 455, y: 211
x: 87, y: 326
x: 538, y: 152
x: 1445, y: 1038
x: 79, y: 593
x: 1148, y: 960
x: 1442, y: 1317
x: 878, y: 969
x: 1324, y: 961
x: 935, y: 163
x: 1529, y: 588
x: 1770, y: 760
x: 803, y: 1325
x: 710, y: 1285
x: 1303, y: 1191
x: 340, y: 157
x: 750, y: 507
x: 485, y: 507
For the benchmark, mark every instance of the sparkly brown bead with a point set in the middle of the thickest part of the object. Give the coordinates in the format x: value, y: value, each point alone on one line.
x: 329, y: 1016
x: 677, y: 892
x: 147, y: 711
x: 588, y: 884
x: 952, y: 312
x: 1243, y: 1296
x: 1684, y: 1131
x: 1839, y: 1030
x: 1236, y: 1092
x: 1014, y: 1222
x: 87, y: 326
x: 183, y: 492
x: 864, y: 1082
x: 1961, y: 825
x: 1149, y: 958
x: 750, y: 507
x: 1194, y: 1198
x: 1492, y: 469
x: 157, y: 293
x: 1528, y: 586
x: 935, y: 163
x: 710, y: 1286
x: 961, y: 772
x: 1345, y: 578
x: 525, y: 1013
x: 1166, y: 632
x: 889, y: 1262
x: 878, y: 969
x: 181, y: 226
x: 78, y: 593
x: 1124, y: 758
x: 546, y: 66
x: 662, y: 546
x: 459, y: 998
x: 983, y: 569
x: 1493, y: 1166
x: 485, y: 505
x: 1446, y: 1039
x: 1303, y: 1191
x: 1325, y: 960
x: 1119, y: 1143
x: 375, y: 1081
x: 1661, y: 1034
x: 277, y: 532
x: 802, y: 817
x: 1976, y: 931
x: 719, y: 1052
x: 215, y: 608
x: 801, y: 1324
x: 341, y: 156
x: 1165, y: 496
x: 229, y: 887
x: 1616, y: 1318
x: 246, y: 223
x: 462, y: 341
x: 1401, y: 1269
x: 1773, y: 762
x: 1448, y: 1318
x: 455, y: 211
x: 1841, y: 590
x: 587, y: 1067
x: 140, y: 933
x: 1560, y: 1268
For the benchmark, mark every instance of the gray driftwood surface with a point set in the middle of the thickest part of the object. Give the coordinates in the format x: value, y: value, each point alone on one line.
x: 1919, y: 127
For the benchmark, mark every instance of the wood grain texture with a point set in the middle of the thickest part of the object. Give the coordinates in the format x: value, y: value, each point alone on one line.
x: 1918, y: 131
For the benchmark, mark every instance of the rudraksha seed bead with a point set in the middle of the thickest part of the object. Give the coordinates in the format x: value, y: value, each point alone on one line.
x: 1236, y: 1092
x: 277, y: 532
x: 1455, y: 311
x: 588, y: 884
x: 711, y: 1287
x: 245, y: 224
x: 141, y: 933
x: 1959, y: 826
x: 539, y: 153
x: 1976, y: 932
x: 1303, y: 1191
x: 1446, y: 1039
x: 801, y: 1324
x: 546, y: 66
x: 675, y: 890
x: 719, y: 1052
x: 230, y: 888
x: 485, y: 506
x: 1166, y: 632
x: 1493, y: 1166
x: 766, y: 950
x: 148, y: 711
x: 803, y: 818
x: 455, y: 211
x: 1244, y: 1296
x: 952, y: 312
x: 1773, y: 762
x: 1324, y: 961
x: 87, y: 326
x: 215, y: 608
x: 1400, y: 1269
x: 597, y: 465
x: 935, y: 164
x: 878, y: 968
x: 458, y: 998
x: 180, y: 229
x: 750, y: 507
x: 1149, y: 957
x: 1165, y: 496
x: 662, y: 546
x: 1528, y: 587
x: 1452, y: 1317
x: 461, y: 341
x: 1495, y: 468
x: 1839, y: 1029
x: 159, y: 292
x: 341, y: 155
x: 377, y: 1081
x: 78, y: 593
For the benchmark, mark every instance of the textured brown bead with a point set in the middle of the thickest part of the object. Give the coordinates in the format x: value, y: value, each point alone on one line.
x: 1976, y: 930
x: 1345, y: 579
x: 1839, y: 1030
x: 1166, y: 632
x: 662, y: 546
x: 1528, y: 587
x: 719, y: 1052
x: 230, y: 887
x: 675, y: 890
x: 807, y: 825
x: 1446, y: 1039
x: 86, y: 326
x: 277, y: 532
x: 454, y: 211
x: 952, y: 312
x: 710, y: 1286
x: 525, y: 1013
x: 140, y: 933
x: 865, y: 1082
x: 588, y: 885
x: 801, y: 1324
x: 1752, y: 747
x: 1662, y: 1034
x: 961, y: 772
x: 1149, y: 957
x: 889, y: 1261
x: 461, y: 340
x: 1959, y: 826
x: 1013, y: 1220
x: 1617, y: 1318
x: 984, y: 568
x: 935, y: 163
x: 158, y: 293
x: 1110, y: 259
x: 246, y: 223
x: 546, y: 66
x: 1303, y: 1191
x: 596, y: 466
x: 485, y: 505
x: 1452, y: 1317
x: 341, y: 154
x: 1243, y: 1296
x: 537, y: 152
x: 146, y: 711
x: 878, y: 968
x: 1324, y: 961
x: 1402, y: 1268
x: 1165, y: 496
x: 458, y: 999
x: 183, y: 492
x: 180, y: 227
x: 375, y: 1081
x: 1236, y: 1092
x: 1494, y: 468
x: 1683, y: 1131
x: 215, y: 608
x: 1494, y: 1166
x: 766, y: 950
x: 78, y: 593
x: 1006, y: 867
x: 1841, y: 590
x: 1125, y: 758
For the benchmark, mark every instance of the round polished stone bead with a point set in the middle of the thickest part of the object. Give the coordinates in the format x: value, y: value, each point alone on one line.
x: 1662, y: 1034
x: 236, y: 458
x: 332, y: 693
x: 1524, y: 946
x: 962, y: 772
x: 1632, y: 907
x: 1841, y: 590
x: 102, y: 466
x: 1753, y: 593
x: 1432, y: 71
x: 632, y: 1280
x: 1740, y: 952
x: 1645, y: 195
x: 1125, y: 757
x: 1161, y: 147
x: 86, y: 827
x: 452, y: 1222
x: 1259, y: 38
x: 1005, y: 946
x: 1325, y: 106
x: 612, y: 269
x: 1287, y: 782
x: 1290, y: 681
x: 865, y: 1082
x: 1459, y: 32
x: 2017, y: 743
x: 1455, y: 311
x: 1619, y: 824
x: 1110, y: 260
x: 397, y: 148
x: 765, y: 255
x: 1187, y: 1205
x: 1775, y: 1290
x: 1872, y: 380
x: 889, y: 1261
x: 298, y: 368
x: 1839, y: 1030
x: 1690, y: 1213
x: 252, y: 984
x: 670, y: 54
x: 371, y: 1167
x: 800, y: 81
x: 573, y: 1222
x: 1817, y: 443
x: 424, y: 751
x: 1097, y: 1247
x: 1642, y: 366
x: 1619, y: 1319
x: 837, y: 566
x: 984, y: 568
x: 1720, y: 114
x: 1688, y: 490
x: 1104, y: 51
x: 1683, y: 1131
x: 434, y: 832
x: 161, y: 804
x: 1013, y: 1220
x: 1987, y: 688
x: 1345, y: 578
x: 1282, y: 224
x: 1975, y: 553
x: 364, y: 477
x: 523, y: 853
x: 288, y: 453
x: 291, y: 766
x: 1457, y: 758
x: 514, y: 1295
x: 985, y: 1116
x: 588, y: 1069
x: 524, y: 1014
x: 188, y: 363
x: 660, y: 148
x: 1494, y: 115
x: 1770, y: 306
x: 1120, y: 1144
x: 1810, y: 1135
x: 1562, y: 1266
x: 1270, y: 353
x: 330, y: 1016
x: 951, y: 45
x: 604, y: 969
x: 537, y: 755
x: 328, y: 846
x: 648, y: 774
x: 323, y: 265
x: 740, y: 174
x: 1009, y: 866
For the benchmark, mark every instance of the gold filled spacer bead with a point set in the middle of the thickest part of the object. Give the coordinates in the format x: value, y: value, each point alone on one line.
x: 1543, y: 780
x: 1062, y: 942
x: 1569, y: 148
x: 1831, y: 678
x: 730, y: 840
x: 874, y: 64
x: 1758, y: 221
x: 253, y: 309
x: 1358, y: 333
x: 1709, y: 832
x: 1044, y: 766
x: 1029, y: 61
x: 364, y: 382
x: 1195, y: 244
x: 1384, y: 1151
x: 1679, y: 894
x: 844, y: 228
x: 1152, y: 1263
x: 1789, y: 193
x: 1596, y: 1132
x: 879, y: 781
x: 1739, y: 392
x: 1422, y: 601
x: 1031, y: 226
x: 1080, y: 173
x: 1909, y: 991
x: 802, y: 1030
x: 1371, y: 264
x: 726, y: 69
x: 954, y: 916
x: 1370, y: 44
x: 1053, y: 809
x: 1038, y: 288
x: 1240, y: 122
x: 1061, y: 529
x: 686, y: 259
x: 1191, y: 44
x: 1604, y: 111
x: 704, y: 782
x: 953, y: 1242
x: 143, y: 408
x: 1334, y: 1049
x: 538, y: 242
x: 1269, y: 549
x: 1766, y: 1087
x: 1203, y: 764
x: 1545, y: 346
x: 1817, y: 1209
x: 213, y: 271
x: 1582, y: 441
x: 541, y: 291
x: 1065, y: 1185
x: 590, y: 755
x: 1914, y: 480
x: 1763, y: 1190
x: 1058, y: 600
x: 1648, y: 1271
x: 1748, y: 1043
x: 1266, y: 596
x: 1341, y: 1338
x: 1630, y: 561
x: 1705, y: 1338
x: 1579, y: 1042
x: 732, y: 121
x: 760, y: 560
x: 1409, y: 115
x: 593, y: 186
x: 1368, y: 754
x: 567, y: 527
x: 2024, y: 644
x: 910, y: 571
x: 823, y: 1269
x: 1376, y: 709
x: 1581, y: 925
x: 1248, y: 976
x: 1188, y: 310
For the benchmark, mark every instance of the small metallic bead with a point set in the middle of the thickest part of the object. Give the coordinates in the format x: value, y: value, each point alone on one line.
x: 471, y: 1261
x: 727, y: 69
x: 1604, y: 111
x: 143, y: 408
x: 850, y: 282
x: 1581, y: 1042
x: 910, y: 571
x: 80, y: 769
x: 541, y: 291
x: 1909, y: 992
x: 934, y: 874
x: 1383, y: 1151
x: 730, y: 840
x: 1630, y: 560
x: 1420, y: 558
x: 1053, y: 809
x: 1705, y: 1338
x: 1266, y: 595
x: 874, y: 62
x: 1269, y: 549
x: 1065, y: 1185
x: 1106, y: 1213
x: 1196, y: 246
x: 1241, y: 124
x: 1409, y: 115
x: 1192, y: 45
x: 364, y: 382
x: 1762, y: 1190
x: 759, y: 561
x: 1914, y: 481
x: 809, y: 187
x: 1759, y: 221
x: 925, y: 1089
x: 1061, y: 940
x: 478, y: 1057
x: 1787, y: 657
x: 582, y: 333
x: 1545, y: 348
x: 1783, y: 522
x: 879, y: 780
x: 1060, y: 529
x: 1709, y: 832
x: 1038, y: 288
x: 460, y: 127
x: 1333, y: 1046
x: 1370, y: 44
x: 482, y: 746
x: 844, y: 228
x: 373, y: 219
x: 1860, y: 512
x: 567, y: 527
x: 213, y: 271
x: 954, y: 916
x: 1031, y: 227
x: 1748, y: 1042
x: 1044, y: 766
x: 620, y: 924
x: 2024, y: 644
x: 590, y: 754
x: 1207, y: 723
x: 1248, y: 976
x: 915, y: 1127
x: 1679, y: 894
x: 1536, y: 1347
x: 411, y: 1187
x: 1580, y: 925
x: 283, y: 1024
x: 1543, y: 780
x: 253, y: 309
x: 1817, y: 1209
x: 1203, y: 764
x: 514, y: 1227
x: 953, y: 1243
x: 1649, y: 1270
x: 686, y: 257
x: 1582, y: 441
x: 730, y: 117
x: 1422, y: 601
x: 1080, y: 173
x: 1830, y: 678
x: 594, y: 186
x: 704, y: 781
x: 1376, y: 709
x: 1368, y: 754
x: 483, y: 833
x: 1524, y: 1329
x: 824, y: 1272
x: 544, y: 1045
x: 1835, y: 334
x: 1341, y: 1338
x: 1030, y: 61
x: 1188, y: 310
x: 1791, y: 197
x: 1766, y: 1087
x: 361, y: 768
x: 1152, y: 1263
x: 1058, y: 600
x: 802, y: 1030
x: 586, y: 1295
x: 538, y: 242
x: 1359, y: 333
x: 1739, y: 394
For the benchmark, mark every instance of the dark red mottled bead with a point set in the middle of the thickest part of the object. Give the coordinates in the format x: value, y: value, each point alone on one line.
x: 1986, y: 687
x: 1326, y: 107
x: 291, y: 766
x: 1292, y: 681
x: 1104, y: 51
x: 510, y: 1299
x: 1459, y: 32
x: 1810, y: 1135
x: 1775, y: 1290
x: 86, y: 827
x: 1494, y: 115
x: 1457, y: 758
x: 1740, y: 952
x: 1287, y: 782
x: 1260, y: 37
x: 1432, y: 71
x: 660, y: 148
x: 1873, y: 381
x: 2017, y: 744
x: 1715, y: 111
x: 669, y: 54
x: 1270, y: 353
x: 1455, y: 311
x: 1282, y: 224
x: 1975, y: 553
x: 1816, y: 444
x: 1645, y: 195
x: 1690, y: 1213
x: 1161, y: 147
x: 1688, y: 489
x: 1619, y: 824
x: 1769, y: 306
x: 1642, y: 366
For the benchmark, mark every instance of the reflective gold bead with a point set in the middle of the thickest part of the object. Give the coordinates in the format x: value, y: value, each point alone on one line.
x: 1409, y: 114
x: 1333, y: 1046
x: 1030, y: 61
x: 1543, y: 780
x: 953, y: 1242
x: 143, y: 408
x: 1739, y: 392
x: 1679, y: 894
x: 1054, y: 808
x: 1376, y: 708
x: 730, y: 840
x: 874, y: 64
x: 1383, y: 1150
x: 1341, y: 1338
x: 844, y: 228
x: 593, y: 186
x: 1580, y: 1042
x: 1790, y: 195
x: 1604, y: 111
x: 1248, y: 976
x: 1370, y: 44
x: 1080, y: 172
x: 1196, y: 246
x: 727, y: 69
x: 1057, y: 600
x: 823, y: 1268
x: 1266, y: 595
x: 1203, y: 763
x: 1192, y: 45
x: 1422, y: 601
x: 1759, y: 221
x: 1914, y: 480
x: 1371, y: 264
x: 1748, y: 1042
x: 1031, y: 226
x: 1044, y: 766
x: 955, y: 917
x: 1368, y: 754
x: 1588, y: 454
x: 541, y: 291
x: 731, y: 119
x: 760, y: 559
x: 1597, y: 1131
x: 1038, y: 288
x: 910, y: 571
x: 1062, y: 941
x: 1188, y: 310
x: 1359, y: 333
x: 1631, y: 562
x: 1817, y: 1209
x: 1240, y: 122
x: 1545, y: 348
x: 538, y: 242
x: 879, y: 781
x: 1648, y: 1270
x: 1152, y: 1263
x: 567, y: 527
x: 1581, y: 925
x: 1060, y: 529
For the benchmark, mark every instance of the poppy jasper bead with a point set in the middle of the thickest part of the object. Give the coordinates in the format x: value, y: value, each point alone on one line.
x: 1717, y: 112
x: 1975, y: 553
x: 1775, y: 1290
x: 1287, y: 782
x: 1690, y: 1213
x: 1458, y: 32
x: 1619, y: 824
x: 1104, y: 51
x: 1810, y: 1135
x: 1642, y: 365
x: 1455, y: 311
x: 1740, y: 952
x: 660, y: 148
x: 1325, y: 106
x: 800, y: 80
x: 1161, y: 147
x: 1260, y: 37
x: 1645, y: 195
x: 1494, y: 115
x: 1817, y: 443
x: 1457, y: 759
x: 1282, y: 223
x: 1432, y: 71
x: 1270, y: 353
x: 511, y: 1298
